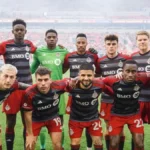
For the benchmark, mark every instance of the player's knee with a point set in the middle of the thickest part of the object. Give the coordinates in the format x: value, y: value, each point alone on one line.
x: 97, y: 141
x: 114, y: 142
x: 75, y: 141
x: 139, y: 143
x: 57, y: 145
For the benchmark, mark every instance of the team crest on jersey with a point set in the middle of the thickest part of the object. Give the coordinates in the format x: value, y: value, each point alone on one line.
x: 71, y: 132
x: 55, y: 96
x: 89, y: 60
x: 78, y: 96
x: 136, y: 87
x: 58, y: 54
x: 120, y: 64
x: 148, y: 61
x: 25, y: 104
x: 94, y: 95
x: 102, y: 113
x: 57, y: 62
x: 27, y: 48
x: 110, y: 129
x: 136, y: 94
x: 7, y: 107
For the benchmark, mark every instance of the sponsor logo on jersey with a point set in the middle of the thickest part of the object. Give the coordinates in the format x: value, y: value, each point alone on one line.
x: 136, y: 94
x: 93, y: 101
x: 57, y: 62
x: 111, y: 72
x: 123, y: 96
x: 147, y: 68
x: 19, y: 56
x: 56, y: 102
x: 75, y: 66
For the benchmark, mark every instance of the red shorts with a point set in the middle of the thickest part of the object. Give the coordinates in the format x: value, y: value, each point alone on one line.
x: 53, y: 125
x: 105, y: 110
x: 134, y: 122
x: 14, y: 102
x: 145, y: 111
x: 76, y: 128
x: 68, y: 108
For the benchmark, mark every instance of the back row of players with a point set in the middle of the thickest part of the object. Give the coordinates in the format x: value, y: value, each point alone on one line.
x: 59, y: 60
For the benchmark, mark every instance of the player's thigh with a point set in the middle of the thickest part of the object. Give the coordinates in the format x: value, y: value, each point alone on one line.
x: 138, y: 139
x: 56, y: 137
x: 114, y: 140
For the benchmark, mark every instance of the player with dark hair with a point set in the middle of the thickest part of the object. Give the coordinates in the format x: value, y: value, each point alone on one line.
x: 84, y: 108
x: 74, y: 60
x: 110, y: 64
x: 52, y: 57
x: 16, y: 52
x: 125, y: 108
x: 142, y: 57
x: 41, y: 108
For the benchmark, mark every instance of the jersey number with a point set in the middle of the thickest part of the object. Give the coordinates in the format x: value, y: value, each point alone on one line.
x: 138, y: 122
x: 96, y: 125
x: 57, y: 121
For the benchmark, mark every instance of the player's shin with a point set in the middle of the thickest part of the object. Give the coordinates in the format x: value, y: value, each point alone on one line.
x: 43, y: 138
x: 9, y: 137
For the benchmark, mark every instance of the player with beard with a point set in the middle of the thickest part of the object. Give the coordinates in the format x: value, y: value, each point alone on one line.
x: 125, y: 109
x: 16, y: 52
x: 9, y: 89
x: 108, y: 65
x: 84, y: 108
x: 73, y: 61
x: 142, y: 57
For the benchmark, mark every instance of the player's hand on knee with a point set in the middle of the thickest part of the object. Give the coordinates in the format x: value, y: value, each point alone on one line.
x: 30, y: 142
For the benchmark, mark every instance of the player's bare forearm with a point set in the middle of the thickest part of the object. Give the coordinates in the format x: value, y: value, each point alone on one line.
x: 28, y: 121
x: 23, y: 86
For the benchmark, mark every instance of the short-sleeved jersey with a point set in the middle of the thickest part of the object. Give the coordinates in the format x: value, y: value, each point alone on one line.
x: 4, y: 94
x: 52, y: 59
x: 18, y: 55
x: 84, y: 105
x: 74, y: 61
x: 126, y: 95
x: 143, y: 61
x: 44, y: 106
x: 108, y: 67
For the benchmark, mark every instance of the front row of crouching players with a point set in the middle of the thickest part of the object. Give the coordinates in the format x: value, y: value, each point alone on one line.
x: 41, y: 106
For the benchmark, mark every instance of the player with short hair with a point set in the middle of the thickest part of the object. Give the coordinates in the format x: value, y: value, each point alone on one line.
x: 16, y: 52
x: 73, y: 61
x: 41, y: 108
x: 110, y: 64
x: 142, y: 57
x: 52, y: 57
x: 84, y: 108
x: 125, y: 109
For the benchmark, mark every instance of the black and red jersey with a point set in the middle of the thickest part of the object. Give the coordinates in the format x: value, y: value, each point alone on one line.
x: 110, y: 66
x: 73, y: 61
x: 44, y: 106
x: 126, y: 95
x: 18, y: 55
x: 84, y: 105
x: 143, y: 61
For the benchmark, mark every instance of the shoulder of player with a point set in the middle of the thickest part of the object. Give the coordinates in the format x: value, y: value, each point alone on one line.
x: 10, y: 41
x: 102, y: 58
x: 71, y: 53
x: 124, y: 56
x: 135, y: 53
x: 30, y: 90
x: 58, y: 48
x: 89, y: 53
